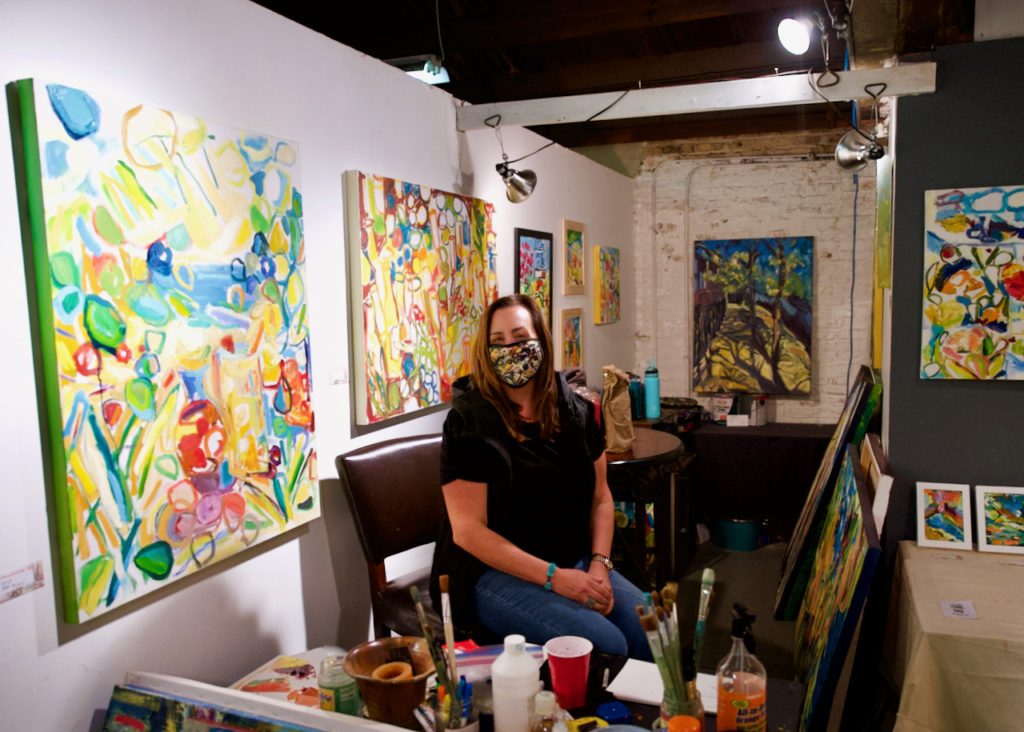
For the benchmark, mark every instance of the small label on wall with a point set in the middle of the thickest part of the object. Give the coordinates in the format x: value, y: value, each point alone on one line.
x: 959, y: 609
x: 21, y: 581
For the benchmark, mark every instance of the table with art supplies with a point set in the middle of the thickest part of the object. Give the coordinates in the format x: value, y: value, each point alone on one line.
x: 955, y: 641
x: 433, y: 683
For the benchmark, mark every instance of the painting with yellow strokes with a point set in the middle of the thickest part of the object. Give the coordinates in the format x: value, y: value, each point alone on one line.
x: 168, y: 258
x: 421, y: 273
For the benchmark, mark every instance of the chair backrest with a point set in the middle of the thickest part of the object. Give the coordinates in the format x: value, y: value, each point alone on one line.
x: 394, y: 491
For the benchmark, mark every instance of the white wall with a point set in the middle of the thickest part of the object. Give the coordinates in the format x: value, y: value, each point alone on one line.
x: 677, y: 202
x: 241, y: 65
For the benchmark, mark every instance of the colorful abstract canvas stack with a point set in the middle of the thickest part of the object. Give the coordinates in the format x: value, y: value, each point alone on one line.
x: 168, y: 262
x: 973, y: 314
x: 421, y: 273
x: 844, y: 564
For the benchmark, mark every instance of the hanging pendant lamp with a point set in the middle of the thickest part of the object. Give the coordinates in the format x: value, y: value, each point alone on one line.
x: 519, y: 184
x: 856, y: 149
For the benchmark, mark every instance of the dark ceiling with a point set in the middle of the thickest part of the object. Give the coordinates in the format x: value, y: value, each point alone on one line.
x: 501, y: 51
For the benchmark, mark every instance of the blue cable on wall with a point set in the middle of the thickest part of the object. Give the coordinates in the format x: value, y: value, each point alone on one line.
x: 853, y: 274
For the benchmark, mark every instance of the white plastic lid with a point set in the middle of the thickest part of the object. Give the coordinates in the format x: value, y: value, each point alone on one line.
x: 515, y: 643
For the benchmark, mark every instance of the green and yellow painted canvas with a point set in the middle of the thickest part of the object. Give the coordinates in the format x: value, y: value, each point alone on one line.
x: 166, y: 255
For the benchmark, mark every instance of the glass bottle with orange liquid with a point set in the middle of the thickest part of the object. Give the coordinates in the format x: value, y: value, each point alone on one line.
x: 742, y: 681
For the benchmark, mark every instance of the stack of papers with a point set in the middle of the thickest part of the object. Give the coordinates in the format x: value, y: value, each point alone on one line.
x: 640, y: 681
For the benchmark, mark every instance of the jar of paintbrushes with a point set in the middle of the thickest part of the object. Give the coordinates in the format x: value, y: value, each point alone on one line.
x: 451, y: 706
x: 677, y: 661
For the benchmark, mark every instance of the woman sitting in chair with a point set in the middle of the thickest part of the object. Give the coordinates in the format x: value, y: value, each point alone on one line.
x: 529, y: 517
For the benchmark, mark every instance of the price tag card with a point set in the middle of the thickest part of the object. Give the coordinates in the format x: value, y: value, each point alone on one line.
x: 959, y: 609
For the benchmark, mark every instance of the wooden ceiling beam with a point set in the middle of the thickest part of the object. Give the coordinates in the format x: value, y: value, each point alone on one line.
x: 540, y: 22
x: 749, y: 59
x: 682, y: 127
x: 713, y: 96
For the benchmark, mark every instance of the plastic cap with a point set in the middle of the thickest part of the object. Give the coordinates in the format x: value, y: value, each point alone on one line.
x: 544, y: 703
x: 684, y: 723
x: 515, y: 643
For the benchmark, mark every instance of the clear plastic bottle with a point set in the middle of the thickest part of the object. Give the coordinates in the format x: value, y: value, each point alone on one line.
x: 545, y: 712
x: 515, y: 678
x: 339, y: 692
x: 742, y: 682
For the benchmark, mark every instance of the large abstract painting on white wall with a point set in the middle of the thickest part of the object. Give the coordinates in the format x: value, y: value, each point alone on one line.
x: 168, y: 258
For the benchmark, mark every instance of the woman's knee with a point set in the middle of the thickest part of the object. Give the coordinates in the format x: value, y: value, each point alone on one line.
x: 606, y: 637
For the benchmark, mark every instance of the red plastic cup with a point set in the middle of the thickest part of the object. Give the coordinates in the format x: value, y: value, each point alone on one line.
x: 569, y: 664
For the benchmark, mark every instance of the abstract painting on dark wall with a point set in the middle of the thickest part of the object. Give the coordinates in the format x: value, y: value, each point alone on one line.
x: 752, y: 315
x: 973, y: 314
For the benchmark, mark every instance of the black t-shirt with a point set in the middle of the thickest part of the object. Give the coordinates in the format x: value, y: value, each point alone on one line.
x: 545, y: 506
x: 539, y: 493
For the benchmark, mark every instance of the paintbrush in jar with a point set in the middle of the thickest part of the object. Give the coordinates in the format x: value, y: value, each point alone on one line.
x: 449, y: 629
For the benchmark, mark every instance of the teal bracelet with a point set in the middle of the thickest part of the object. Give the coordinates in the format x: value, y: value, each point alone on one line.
x: 551, y: 573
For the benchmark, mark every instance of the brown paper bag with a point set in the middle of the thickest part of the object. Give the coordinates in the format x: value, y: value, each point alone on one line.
x: 618, y: 421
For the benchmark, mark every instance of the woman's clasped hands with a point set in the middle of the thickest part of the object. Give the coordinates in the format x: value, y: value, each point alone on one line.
x: 586, y: 588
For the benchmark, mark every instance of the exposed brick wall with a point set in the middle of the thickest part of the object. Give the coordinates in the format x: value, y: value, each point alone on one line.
x: 679, y: 199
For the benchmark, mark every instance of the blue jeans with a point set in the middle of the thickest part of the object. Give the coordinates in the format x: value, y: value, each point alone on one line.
x: 507, y: 604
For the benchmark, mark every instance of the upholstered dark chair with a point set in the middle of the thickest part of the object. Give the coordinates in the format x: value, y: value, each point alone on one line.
x: 394, y: 491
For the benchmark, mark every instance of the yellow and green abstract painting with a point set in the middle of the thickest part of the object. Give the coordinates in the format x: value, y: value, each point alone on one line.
x: 167, y: 258
x: 752, y: 315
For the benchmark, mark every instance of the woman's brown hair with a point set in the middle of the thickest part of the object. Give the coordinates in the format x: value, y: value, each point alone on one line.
x: 545, y: 388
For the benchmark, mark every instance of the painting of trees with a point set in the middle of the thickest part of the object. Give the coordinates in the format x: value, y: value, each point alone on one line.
x: 752, y: 315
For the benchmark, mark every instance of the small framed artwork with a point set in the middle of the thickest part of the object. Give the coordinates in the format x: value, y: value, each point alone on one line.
x: 574, y: 236
x: 944, y: 515
x: 571, y: 329
x: 1000, y: 512
x: 533, y: 267
x: 606, y: 285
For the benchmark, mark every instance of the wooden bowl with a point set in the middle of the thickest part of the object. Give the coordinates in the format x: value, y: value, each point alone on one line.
x: 391, y: 700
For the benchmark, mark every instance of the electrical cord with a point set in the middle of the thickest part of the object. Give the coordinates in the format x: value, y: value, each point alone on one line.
x: 853, y: 274
x: 494, y: 122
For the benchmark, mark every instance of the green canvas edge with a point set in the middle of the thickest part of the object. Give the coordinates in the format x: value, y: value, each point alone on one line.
x: 28, y: 170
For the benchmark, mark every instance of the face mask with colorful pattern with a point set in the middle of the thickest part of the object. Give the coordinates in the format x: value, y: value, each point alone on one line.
x: 517, y: 363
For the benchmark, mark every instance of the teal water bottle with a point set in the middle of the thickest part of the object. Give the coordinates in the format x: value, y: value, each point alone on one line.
x: 652, y: 392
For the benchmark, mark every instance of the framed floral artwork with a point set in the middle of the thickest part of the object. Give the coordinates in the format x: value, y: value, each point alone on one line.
x: 1000, y: 512
x: 533, y: 267
x: 574, y: 237
x: 571, y: 337
x: 606, y: 285
x: 944, y: 515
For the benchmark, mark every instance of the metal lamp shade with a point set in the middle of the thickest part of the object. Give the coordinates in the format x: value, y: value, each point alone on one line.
x: 519, y: 184
x: 855, y: 149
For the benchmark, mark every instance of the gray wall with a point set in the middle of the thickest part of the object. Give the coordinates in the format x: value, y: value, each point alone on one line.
x: 967, y: 134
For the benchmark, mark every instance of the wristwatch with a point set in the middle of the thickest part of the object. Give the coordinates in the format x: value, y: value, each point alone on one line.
x: 603, y: 560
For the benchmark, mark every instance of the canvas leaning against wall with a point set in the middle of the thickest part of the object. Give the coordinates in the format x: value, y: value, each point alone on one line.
x: 168, y: 261
x: 973, y: 315
x: 421, y: 274
x: 752, y: 315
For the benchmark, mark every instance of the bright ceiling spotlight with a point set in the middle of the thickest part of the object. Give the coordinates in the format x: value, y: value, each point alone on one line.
x: 795, y: 35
